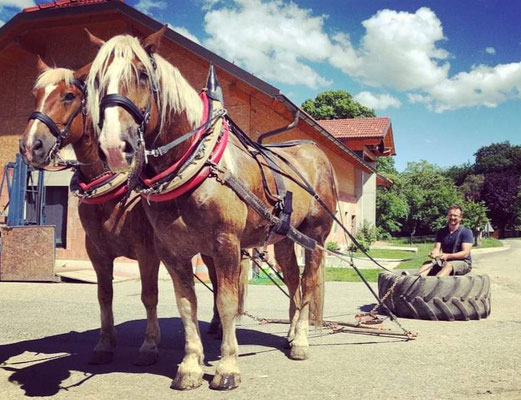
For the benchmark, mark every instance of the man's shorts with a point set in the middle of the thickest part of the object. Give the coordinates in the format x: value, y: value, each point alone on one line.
x: 459, y: 267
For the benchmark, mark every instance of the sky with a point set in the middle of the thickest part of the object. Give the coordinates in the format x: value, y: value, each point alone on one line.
x: 447, y: 73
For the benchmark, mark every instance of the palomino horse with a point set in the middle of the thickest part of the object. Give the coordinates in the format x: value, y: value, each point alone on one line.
x: 112, y: 230
x: 139, y: 101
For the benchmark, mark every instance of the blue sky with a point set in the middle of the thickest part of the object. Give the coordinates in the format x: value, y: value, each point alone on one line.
x: 447, y: 73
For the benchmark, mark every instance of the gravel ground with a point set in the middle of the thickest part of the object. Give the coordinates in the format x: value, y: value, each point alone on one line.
x: 48, y: 330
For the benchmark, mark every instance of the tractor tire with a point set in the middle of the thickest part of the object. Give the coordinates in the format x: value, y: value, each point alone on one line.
x: 451, y: 298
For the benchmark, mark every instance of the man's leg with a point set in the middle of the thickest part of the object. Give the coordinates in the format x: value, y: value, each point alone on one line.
x: 425, y: 268
x: 446, y: 270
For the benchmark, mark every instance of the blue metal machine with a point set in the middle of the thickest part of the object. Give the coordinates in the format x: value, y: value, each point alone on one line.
x: 26, y: 205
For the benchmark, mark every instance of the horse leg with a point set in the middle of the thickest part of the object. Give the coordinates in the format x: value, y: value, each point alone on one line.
x: 215, y: 323
x: 103, y: 352
x: 189, y: 374
x: 149, y: 269
x: 286, y: 258
x: 229, y: 302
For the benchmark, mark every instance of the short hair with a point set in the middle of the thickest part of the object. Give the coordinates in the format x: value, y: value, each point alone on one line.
x: 455, y: 207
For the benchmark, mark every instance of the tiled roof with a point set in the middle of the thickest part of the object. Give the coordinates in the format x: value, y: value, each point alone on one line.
x: 354, y: 128
x: 65, y: 3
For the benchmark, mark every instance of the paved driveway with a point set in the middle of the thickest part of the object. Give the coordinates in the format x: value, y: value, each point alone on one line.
x: 48, y: 330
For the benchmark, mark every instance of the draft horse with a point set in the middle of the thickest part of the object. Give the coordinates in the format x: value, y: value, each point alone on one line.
x: 152, y: 123
x: 112, y: 229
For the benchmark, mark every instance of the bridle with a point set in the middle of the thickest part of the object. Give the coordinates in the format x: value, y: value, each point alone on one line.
x: 61, y: 135
x: 142, y: 117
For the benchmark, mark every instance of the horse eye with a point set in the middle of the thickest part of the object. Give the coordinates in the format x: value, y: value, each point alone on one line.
x: 143, y: 76
x: 69, y: 97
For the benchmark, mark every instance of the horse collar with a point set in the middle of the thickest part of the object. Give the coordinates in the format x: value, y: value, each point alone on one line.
x: 208, y: 146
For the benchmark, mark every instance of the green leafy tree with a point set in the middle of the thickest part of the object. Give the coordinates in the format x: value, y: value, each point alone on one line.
x: 498, y: 157
x: 472, y: 186
x: 459, y: 173
x: 429, y: 194
x: 475, y: 217
x: 336, y: 104
x: 391, y: 204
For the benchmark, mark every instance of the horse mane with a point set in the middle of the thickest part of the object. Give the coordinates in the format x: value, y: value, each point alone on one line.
x: 53, y: 76
x: 114, y: 62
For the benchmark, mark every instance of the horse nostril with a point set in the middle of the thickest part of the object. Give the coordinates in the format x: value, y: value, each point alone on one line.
x: 128, y: 149
x: 22, y: 146
x: 38, y: 144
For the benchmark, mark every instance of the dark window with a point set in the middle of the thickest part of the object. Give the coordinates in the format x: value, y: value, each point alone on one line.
x: 55, y: 211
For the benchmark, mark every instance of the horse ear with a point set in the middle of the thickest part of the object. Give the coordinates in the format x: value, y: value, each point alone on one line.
x: 81, y: 74
x: 151, y: 42
x: 40, y: 64
x: 96, y: 41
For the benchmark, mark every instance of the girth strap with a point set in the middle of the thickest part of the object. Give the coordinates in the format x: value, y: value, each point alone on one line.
x: 226, y: 178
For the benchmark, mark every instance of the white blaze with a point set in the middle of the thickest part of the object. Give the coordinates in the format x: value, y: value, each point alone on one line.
x: 30, y: 137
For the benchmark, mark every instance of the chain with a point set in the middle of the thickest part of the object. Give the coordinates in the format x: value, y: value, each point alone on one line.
x: 386, y: 295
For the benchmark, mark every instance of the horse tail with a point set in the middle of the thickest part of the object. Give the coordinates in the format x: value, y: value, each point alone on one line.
x: 316, y: 305
x: 243, y: 283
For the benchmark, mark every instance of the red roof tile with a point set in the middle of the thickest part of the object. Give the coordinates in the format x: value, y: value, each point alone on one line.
x: 354, y: 128
x: 65, y: 3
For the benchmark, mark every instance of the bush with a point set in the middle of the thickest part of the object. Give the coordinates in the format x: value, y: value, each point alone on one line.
x: 365, y: 236
x: 332, y: 246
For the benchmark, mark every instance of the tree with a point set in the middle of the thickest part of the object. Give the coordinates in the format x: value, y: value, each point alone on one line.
x: 429, y: 194
x: 472, y: 186
x: 459, y: 173
x: 475, y: 217
x: 498, y: 157
x: 336, y: 104
x: 391, y: 205
x: 500, y: 194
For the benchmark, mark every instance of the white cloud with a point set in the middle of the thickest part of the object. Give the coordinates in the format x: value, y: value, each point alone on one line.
x: 490, y: 50
x: 146, y: 5
x: 482, y: 86
x: 399, y: 50
x: 282, y: 42
x: 17, y: 3
x: 271, y: 40
x: 377, y: 101
x: 185, y: 32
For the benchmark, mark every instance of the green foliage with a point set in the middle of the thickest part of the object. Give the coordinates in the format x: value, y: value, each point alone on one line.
x: 498, y: 157
x: 472, y: 186
x: 335, y: 104
x: 474, y: 216
x: 429, y: 194
x: 459, y: 173
x: 366, y: 235
x: 332, y: 246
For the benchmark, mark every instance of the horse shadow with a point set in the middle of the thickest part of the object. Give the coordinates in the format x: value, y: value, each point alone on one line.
x: 56, y: 358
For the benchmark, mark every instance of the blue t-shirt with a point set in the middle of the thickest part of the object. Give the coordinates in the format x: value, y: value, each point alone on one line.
x: 451, y: 242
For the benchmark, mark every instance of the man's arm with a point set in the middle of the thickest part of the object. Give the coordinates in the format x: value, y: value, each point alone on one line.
x: 436, y: 251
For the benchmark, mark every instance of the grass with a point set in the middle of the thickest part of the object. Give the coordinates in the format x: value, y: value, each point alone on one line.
x: 424, y: 246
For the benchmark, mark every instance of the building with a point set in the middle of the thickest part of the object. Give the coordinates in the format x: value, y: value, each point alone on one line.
x: 55, y: 31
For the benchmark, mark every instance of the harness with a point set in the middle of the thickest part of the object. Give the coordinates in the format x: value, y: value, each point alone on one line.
x: 107, y: 186
x: 60, y: 135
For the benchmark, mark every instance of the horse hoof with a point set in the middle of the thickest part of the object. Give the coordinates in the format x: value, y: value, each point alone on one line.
x: 187, y: 381
x: 299, y: 353
x: 225, y: 382
x: 145, y: 358
x: 101, y: 357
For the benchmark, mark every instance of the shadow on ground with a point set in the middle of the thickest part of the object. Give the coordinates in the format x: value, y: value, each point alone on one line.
x: 45, y: 371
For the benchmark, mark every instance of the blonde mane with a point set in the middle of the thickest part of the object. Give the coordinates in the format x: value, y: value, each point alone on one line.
x: 53, y: 76
x: 175, y: 94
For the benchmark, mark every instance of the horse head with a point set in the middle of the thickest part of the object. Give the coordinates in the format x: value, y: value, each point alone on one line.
x: 58, y: 118
x: 133, y: 93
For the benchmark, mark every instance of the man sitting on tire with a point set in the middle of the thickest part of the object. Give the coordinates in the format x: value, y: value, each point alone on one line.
x: 451, y: 252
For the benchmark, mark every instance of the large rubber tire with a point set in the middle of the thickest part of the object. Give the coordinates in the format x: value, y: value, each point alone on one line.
x: 452, y: 298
